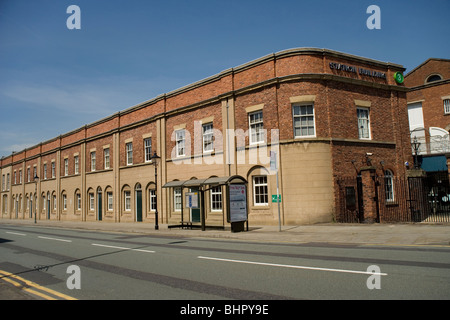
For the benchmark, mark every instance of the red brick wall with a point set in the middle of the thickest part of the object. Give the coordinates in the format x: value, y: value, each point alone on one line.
x: 102, y: 127
x: 417, y: 77
x: 48, y: 158
x: 73, y: 136
x: 69, y: 153
x: 99, y: 156
x: 266, y: 96
x: 189, y: 118
x: 138, y: 143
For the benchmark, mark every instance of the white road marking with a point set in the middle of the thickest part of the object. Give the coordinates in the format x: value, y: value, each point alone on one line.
x: 16, y: 233
x: 56, y: 239
x: 292, y: 266
x: 121, y: 248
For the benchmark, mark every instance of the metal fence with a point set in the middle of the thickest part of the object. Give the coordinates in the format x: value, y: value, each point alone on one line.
x: 422, y: 199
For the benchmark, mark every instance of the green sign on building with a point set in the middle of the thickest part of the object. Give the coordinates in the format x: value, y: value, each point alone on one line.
x: 398, y: 76
x: 274, y: 198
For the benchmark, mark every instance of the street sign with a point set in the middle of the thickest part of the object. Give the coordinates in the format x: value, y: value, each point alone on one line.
x: 273, y: 161
x: 274, y: 198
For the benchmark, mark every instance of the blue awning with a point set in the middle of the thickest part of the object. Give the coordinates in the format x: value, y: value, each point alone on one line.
x: 437, y: 163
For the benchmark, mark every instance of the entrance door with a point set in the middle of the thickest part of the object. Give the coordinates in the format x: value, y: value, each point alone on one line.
x: 48, y: 206
x: 195, y: 213
x: 138, y: 191
x: 139, y: 206
x: 99, y: 206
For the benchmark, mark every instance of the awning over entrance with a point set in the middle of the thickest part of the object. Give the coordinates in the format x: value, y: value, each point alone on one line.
x: 213, y: 182
x: 433, y: 164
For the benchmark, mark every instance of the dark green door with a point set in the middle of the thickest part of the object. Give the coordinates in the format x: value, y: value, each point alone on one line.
x: 139, y: 206
x: 48, y: 207
x: 195, y: 213
x: 99, y: 199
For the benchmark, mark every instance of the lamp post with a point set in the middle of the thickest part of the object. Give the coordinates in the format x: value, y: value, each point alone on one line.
x: 155, y: 159
x: 416, y: 146
x: 36, y: 178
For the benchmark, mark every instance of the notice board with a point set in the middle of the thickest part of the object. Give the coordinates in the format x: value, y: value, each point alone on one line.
x: 237, y: 202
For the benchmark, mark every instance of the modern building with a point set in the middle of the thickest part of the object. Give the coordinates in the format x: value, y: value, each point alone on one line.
x: 322, y: 116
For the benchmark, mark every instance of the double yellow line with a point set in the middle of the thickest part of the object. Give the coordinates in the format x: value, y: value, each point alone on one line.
x: 32, y: 287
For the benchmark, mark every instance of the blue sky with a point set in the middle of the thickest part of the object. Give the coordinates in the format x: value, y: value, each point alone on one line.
x: 54, y: 80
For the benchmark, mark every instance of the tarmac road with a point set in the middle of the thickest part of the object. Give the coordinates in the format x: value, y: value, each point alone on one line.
x: 305, y: 262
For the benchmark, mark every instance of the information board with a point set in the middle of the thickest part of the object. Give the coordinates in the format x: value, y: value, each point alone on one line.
x: 237, y: 202
x: 191, y: 200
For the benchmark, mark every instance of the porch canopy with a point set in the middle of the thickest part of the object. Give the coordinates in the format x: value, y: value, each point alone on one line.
x: 202, y: 185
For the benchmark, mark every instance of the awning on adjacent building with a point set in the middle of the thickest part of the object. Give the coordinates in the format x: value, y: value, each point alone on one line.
x: 433, y: 164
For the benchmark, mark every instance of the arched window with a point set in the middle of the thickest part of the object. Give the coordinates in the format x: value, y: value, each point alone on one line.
x: 389, y: 185
x: 433, y: 77
x: 64, y: 201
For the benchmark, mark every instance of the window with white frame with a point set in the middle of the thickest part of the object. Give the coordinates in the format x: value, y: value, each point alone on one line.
x: 256, y: 127
x: 107, y: 158
x: 129, y: 152
x: 66, y: 166
x: 152, y: 194
x: 91, y: 201
x: 260, y: 191
x: 363, y: 123
x: 208, y: 145
x: 177, y: 199
x: 64, y: 201
x: 389, y: 185
x: 93, y: 161
x: 78, y: 201
x: 53, y: 169
x: 28, y: 176
x: 127, y: 196
x: 45, y: 171
x: 180, y: 141
x: 76, y: 162
x: 20, y: 176
x: 148, y: 149
x: 446, y: 106
x: 54, y: 202
x: 304, y: 125
x: 216, y: 198
x: 109, y: 196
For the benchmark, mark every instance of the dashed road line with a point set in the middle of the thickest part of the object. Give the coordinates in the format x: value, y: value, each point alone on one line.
x: 16, y: 233
x: 56, y: 239
x: 292, y: 266
x: 121, y: 248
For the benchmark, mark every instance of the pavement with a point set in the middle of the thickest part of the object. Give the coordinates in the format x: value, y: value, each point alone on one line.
x: 411, y: 234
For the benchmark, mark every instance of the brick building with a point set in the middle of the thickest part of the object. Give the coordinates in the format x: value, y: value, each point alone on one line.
x: 429, y: 111
x: 326, y: 114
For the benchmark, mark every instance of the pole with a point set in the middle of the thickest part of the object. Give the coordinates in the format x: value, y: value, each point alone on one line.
x: 278, y: 203
x: 156, y: 199
x: 35, y: 202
